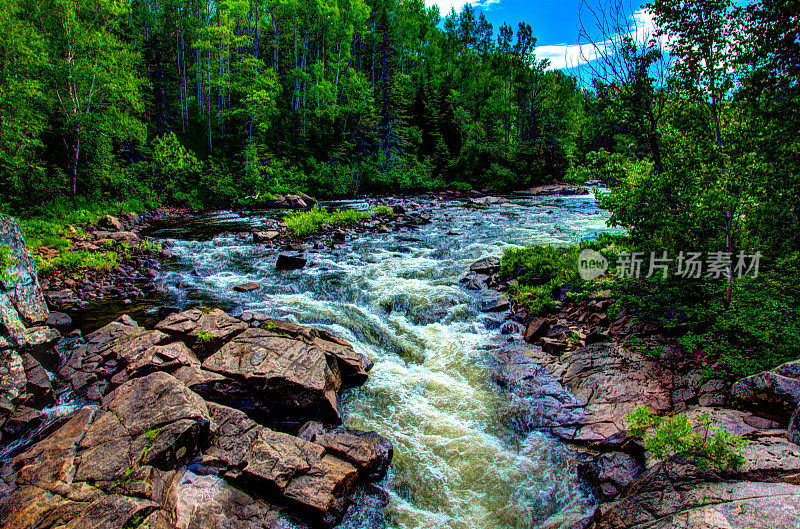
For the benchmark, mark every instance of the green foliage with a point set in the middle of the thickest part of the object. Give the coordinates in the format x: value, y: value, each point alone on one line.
x: 702, y: 443
x: 543, y: 271
x: 313, y: 220
x: 382, y: 211
x: 150, y: 246
x: 6, y: 262
x: 78, y: 260
x: 205, y: 337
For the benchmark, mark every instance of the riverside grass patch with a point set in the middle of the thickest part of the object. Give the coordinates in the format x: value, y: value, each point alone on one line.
x: 316, y: 218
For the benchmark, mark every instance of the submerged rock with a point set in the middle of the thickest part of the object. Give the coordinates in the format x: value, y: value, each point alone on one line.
x: 247, y: 287
x: 288, y: 262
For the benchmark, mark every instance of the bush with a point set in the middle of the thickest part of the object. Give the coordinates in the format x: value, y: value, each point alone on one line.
x: 542, y: 271
x: 705, y: 445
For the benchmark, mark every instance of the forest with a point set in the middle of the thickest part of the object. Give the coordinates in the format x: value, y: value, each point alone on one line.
x: 219, y: 103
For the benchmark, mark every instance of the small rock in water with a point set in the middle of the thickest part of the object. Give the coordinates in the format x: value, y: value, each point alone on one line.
x: 247, y: 287
x: 494, y: 305
x: 59, y: 320
x: 288, y: 262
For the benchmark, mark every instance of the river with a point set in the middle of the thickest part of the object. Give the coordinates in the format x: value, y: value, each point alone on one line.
x: 398, y: 298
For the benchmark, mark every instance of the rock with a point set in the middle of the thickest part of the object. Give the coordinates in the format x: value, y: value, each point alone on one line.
x: 265, y: 236
x: 510, y: 327
x: 489, y: 201
x: 211, y: 329
x: 610, y: 473
x: 675, y: 494
x: 536, y: 328
x: 125, y: 237
x: 247, y: 287
x: 775, y: 393
x: 276, y: 377
x: 300, y: 471
x: 212, y: 503
x: 609, y: 382
x: 21, y: 297
x: 368, y: 451
x: 39, y: 386
x: 494, y: 305
x: 155, y: 421
x: 288, y: 262
x: 60, y: 321
x: 131, y: 218
x: 793, y: 432
x: 107, y: 222
x: 486, y: 266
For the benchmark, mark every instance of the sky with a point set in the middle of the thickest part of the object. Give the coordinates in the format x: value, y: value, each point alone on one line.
x: 555, y: 24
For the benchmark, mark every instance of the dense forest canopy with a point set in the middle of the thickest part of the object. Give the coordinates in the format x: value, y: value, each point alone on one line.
x: 209, y: 102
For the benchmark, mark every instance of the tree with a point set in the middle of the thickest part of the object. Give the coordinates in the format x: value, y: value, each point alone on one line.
x: 92, y: 73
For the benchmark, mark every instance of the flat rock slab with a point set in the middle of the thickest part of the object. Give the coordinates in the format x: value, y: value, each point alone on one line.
x: 672, y: 494
x: 209, y: 330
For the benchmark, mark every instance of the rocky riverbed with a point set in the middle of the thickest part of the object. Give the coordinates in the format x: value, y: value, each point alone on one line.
x: 205, y: 421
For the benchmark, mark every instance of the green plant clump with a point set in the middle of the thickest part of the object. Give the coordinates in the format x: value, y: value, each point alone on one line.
x: 69, y: 260
x: 205, y: 337
x: 313, y: 220
x: 702, y: 443
x: 6, y: 262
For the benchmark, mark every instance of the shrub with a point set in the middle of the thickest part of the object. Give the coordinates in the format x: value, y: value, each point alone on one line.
x: 704, y: 444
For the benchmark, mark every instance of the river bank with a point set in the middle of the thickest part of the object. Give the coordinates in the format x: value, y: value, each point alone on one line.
x: 579, y: 375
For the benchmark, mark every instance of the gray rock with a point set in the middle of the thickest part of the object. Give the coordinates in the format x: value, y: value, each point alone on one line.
x: 774, y: 393
x: 486, y: 266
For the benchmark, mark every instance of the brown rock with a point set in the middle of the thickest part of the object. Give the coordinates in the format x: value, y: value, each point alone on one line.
x: 109, y: 223
x: 277, y: 375
x: 368, y: 451
x: 536, y: 328
x: 216, y: 328
x: 247, y: 287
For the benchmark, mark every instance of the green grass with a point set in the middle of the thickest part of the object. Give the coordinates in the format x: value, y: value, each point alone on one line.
x: 79, y: 260
x: 313, y: 220
x: 6, y: 262
x: 205, y: 337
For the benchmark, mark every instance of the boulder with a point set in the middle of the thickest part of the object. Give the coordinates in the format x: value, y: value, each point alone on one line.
x: 262, y: 236
x: 489, y: 201
x: 289, y: 262
x: 793, y: 432
x: 774, y: 393
x: 21, y: 292
x: 295, y: 469
x: 276, y: 377
x: 155, y: 421
x: 494, y: 305
x: 125, y: 237
x: 107, y: 222
x: 536, y: 328
x: 486, y: 266
x: 59, y: 321
x: 247, y: 287
x: 368, y: 451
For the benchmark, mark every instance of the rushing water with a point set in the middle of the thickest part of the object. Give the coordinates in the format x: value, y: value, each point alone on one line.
x: 398, y: 299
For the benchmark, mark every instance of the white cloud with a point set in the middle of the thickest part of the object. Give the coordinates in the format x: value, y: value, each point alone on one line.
x: 642, y: 28
x: 446, y: 5
x: 566, y: 55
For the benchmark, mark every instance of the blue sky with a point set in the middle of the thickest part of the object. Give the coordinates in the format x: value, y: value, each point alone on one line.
x: 555, y: 24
